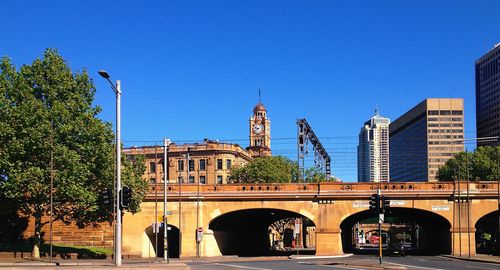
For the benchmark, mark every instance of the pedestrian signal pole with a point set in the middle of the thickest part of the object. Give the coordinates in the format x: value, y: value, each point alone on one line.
x: 380, y: 220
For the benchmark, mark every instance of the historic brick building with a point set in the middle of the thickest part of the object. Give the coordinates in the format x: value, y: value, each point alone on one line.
x: 210, y: 161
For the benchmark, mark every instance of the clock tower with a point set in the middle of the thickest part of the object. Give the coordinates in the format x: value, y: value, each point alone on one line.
x: 260, y: 132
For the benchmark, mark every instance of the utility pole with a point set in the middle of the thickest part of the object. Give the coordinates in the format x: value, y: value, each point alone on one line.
x: 198, y: 216
x: 165, y: 180
x: 51, y: 185
x: 380, y: 217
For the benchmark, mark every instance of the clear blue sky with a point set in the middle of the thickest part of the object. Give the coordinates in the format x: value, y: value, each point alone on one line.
x: 191, y: 69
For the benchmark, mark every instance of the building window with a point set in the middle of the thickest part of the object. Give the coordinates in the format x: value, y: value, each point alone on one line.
x: 191, y: 165
x: 219, y: 179
x: 180, y: 165
x: 456, y: 112
x: 180, y: 179
x: 203, y: 164
x: 433, y: 112
x: 152, y: 167
x: 228, y: 164
x: 152, y: 180
x: 191, y: 179
x: 203, y: 179
x: 219, y: 164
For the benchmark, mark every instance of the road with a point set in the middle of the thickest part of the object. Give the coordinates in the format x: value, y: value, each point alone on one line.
x: 353, y: 262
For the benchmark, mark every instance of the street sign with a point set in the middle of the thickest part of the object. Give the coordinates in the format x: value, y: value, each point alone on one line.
x: 380, y: 218
x: 199, y: 234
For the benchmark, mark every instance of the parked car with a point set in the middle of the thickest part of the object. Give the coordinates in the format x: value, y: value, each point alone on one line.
x: 397, y: 248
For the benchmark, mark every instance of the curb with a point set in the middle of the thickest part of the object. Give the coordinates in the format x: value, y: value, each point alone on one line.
x: 299, y: 257
x: 472, y: 259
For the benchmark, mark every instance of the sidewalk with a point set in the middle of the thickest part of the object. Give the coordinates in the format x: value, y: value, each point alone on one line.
x: 477, y: 258
x: 91, y: 264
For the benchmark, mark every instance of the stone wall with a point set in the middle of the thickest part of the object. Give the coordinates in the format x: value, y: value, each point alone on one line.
x: 99, y: 235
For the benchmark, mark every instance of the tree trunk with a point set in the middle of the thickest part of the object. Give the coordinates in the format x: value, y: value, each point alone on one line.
x: 36, y: 243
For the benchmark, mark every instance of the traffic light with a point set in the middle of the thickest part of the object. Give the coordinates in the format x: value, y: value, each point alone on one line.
x: 386, y: 204
x: 375, y: 203
x: 126, y: 197
x: 106, y: 197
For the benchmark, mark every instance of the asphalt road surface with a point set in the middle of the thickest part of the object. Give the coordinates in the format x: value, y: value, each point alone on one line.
x: 353, y: 262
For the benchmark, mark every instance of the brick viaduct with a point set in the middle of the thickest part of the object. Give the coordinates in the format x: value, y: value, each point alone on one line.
x: 235, y: 211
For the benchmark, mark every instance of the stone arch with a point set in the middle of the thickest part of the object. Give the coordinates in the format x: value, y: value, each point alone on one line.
x: 157, y: 240
x: 245, y: 232
x: 432, y: 231
x: 487, y: 233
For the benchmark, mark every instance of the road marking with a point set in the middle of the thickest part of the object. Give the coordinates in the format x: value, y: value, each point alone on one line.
x: 347, y: 267
x: 339, y: 266
x: 241, y: 266
x: 414, y: 266
x: 422, y: 260
x: 480, y: 267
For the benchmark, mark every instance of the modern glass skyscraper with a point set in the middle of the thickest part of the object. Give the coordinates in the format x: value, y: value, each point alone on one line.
x: 373, y: 150
x: 424, y: 138
x: 488, y: 96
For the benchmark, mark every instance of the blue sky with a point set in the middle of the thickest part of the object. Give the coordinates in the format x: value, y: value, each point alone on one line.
x: 191, y: 69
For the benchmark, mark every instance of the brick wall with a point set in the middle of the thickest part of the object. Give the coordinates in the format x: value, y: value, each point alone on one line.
x: 100, y: 235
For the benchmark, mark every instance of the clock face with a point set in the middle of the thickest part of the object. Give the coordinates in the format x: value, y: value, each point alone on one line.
x: 258, y: 128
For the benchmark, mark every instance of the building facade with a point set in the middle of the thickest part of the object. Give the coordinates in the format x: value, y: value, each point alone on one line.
x: 488, y: 96
x: 424, y: 138
x: 373, y: 150
x: 209, y: 162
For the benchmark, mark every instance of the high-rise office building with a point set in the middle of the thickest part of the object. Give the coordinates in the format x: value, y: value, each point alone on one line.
x: 488, y: 96
x: 373, y: 150
x: 424, y: 138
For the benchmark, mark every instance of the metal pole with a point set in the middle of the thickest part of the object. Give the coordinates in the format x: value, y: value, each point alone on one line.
x: 51, y: 184
x: 198, y: 216
x: 498, y: 197
x: 118, y: 226
x: 165, y: 180
x: 155, y: 230
x: 380, y: 229
x: 468, y: 199
x: 454, y: 212
x: 459, y: 213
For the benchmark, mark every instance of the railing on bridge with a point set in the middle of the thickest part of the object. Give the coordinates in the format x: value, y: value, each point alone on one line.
x: 327, y: 189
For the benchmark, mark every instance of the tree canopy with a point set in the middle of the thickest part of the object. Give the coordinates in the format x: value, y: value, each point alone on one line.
x: 46, y: 111
x: 482, y: 164
x: 275, y: 169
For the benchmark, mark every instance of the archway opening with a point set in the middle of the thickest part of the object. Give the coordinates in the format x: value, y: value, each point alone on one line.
x: 156, y: 237
x: 263, y: 232
x: 419, y: 231
x: 487, y: 234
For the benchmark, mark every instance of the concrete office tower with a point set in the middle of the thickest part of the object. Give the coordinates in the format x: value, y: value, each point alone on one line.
x: 373, y: 150
x: 488, y: 96
x: 424, y: 138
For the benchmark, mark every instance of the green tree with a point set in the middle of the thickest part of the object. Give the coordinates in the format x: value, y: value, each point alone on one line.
x: 315, y: 175
x: 276, y: 169
x: 266, y: 170
x: 44, y: 109
x: 482, y: 164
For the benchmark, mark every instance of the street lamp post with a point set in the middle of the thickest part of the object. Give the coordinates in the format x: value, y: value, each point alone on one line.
x: 118, y: 217
x: 166, y: 142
